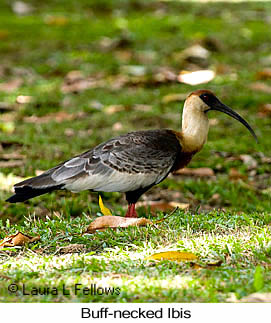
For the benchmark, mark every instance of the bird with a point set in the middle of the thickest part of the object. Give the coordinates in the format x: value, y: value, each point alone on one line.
x: 134, y: 162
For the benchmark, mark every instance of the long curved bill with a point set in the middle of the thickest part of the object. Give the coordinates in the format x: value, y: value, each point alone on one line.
x: 219, y: 106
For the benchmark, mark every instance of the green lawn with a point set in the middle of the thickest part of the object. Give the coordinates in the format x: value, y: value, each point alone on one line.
x: 123, y: 52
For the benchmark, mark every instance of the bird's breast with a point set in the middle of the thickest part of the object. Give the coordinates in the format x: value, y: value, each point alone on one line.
x: 182, y: 160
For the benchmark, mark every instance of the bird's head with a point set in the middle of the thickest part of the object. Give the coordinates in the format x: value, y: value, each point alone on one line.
x: 203, y: 101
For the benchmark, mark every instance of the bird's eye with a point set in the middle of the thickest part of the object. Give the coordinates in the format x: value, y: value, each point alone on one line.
x: 205, y: 97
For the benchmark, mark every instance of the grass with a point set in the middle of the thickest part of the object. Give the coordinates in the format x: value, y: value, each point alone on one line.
x: 40, y: 49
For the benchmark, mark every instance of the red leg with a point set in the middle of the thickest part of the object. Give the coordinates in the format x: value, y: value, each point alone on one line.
x: 131, y: 212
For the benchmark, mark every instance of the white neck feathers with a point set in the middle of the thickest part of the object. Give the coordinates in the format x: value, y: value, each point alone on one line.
x: 195, y: 125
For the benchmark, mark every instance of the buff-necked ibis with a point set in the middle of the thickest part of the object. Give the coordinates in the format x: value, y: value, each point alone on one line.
x: 134, y: 162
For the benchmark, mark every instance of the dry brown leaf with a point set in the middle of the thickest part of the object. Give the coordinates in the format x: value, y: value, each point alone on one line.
x: 11, y: 163
x: 256, y: 298
x: 72, y: 248
x: 215, y: 199
x: 195, y: 54
x: 265, y: 110
x: 173, y: 255
x: 197, y: 77
x: 110, y: 221
x: 76, y: 82
x: 17, y: 239
x: 13, y: 155
x: 174, y: 97
x: 56, y: 116
x: 210, y: 265
x: 234, y: 174
x: 11, y: 86
x: 142, y: 107
x: 261, y: 87
x: 164, y: 75
x: 162, y: 206
x: 266, y: 160
x: 201, y: 172
x: 123, y: 55
x: 265, y: 74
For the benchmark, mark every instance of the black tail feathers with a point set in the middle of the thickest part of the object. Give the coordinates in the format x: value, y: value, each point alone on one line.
x: 26, y: 192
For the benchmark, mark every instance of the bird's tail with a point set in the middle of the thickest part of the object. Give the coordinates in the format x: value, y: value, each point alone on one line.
x: 34, y: 186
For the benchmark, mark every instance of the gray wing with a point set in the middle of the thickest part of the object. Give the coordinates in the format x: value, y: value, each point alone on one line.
x: 124, y: 163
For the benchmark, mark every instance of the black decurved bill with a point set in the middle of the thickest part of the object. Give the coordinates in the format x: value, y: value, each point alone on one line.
x: 214, y: 104
x: 223, y: 108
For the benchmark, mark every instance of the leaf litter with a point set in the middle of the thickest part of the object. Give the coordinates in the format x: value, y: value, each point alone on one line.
x: 17, y: 239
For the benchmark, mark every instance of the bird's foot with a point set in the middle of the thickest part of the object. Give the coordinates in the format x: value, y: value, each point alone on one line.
x: 131, y: 212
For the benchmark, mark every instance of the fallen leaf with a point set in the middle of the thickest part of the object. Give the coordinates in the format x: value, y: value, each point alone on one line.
x: 210, y: 265
x: 7, y: 127
x: 142, y: 107
x: 134, y: 70
x: 195, y: 54
x: 256, y: 298
x: 234, y: 174
x: 114, y: 108
x: 124, y: 56
x: 201, y: 172
x: 21, y: 8
x: 23, y: 99
x: 249, y: 161
x: 265, y: 110
x: 173, y: 255
x: 110, y: 221
x: 55, y: 116
x: 197, y: 77
x: 11, y: 163
x: 215, y: 199
x: 164, y: 75
x: 104, y: 210
x: 266, y: 160
x: 162, y: 206
x: 196, y: 51
x: 117, y: 126
x: 72, y: 248
x: 265, y: 74
x: 261, y: 87
x: 174, y: 97
x: 8, y: 181
x: 13, y: 155
x: 6, y: 107
x: 17, y: 239
x: 76, y: 82
x: 11, y: 86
